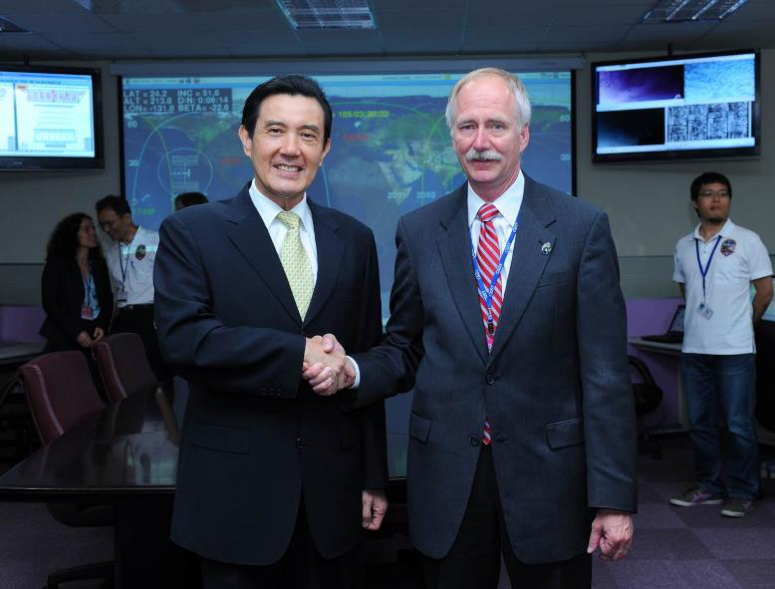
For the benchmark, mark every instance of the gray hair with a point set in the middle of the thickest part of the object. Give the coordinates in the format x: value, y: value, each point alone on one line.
x: 522, y: 108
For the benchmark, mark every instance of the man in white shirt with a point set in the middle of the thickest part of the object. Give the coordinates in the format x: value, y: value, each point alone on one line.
x: 715, y: 266
x: 130, y: 261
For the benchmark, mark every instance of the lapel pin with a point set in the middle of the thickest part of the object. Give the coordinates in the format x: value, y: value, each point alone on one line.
x: 546, y: 249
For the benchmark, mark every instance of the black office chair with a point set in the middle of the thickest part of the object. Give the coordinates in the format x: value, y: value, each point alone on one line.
x: 648, y: 398
x: 61, y: 395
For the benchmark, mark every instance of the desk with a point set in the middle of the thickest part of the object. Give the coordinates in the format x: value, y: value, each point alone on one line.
x: 671, y: 354
x: 127, y: 455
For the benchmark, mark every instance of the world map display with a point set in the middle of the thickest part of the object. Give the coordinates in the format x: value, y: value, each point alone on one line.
x: 391, y: 149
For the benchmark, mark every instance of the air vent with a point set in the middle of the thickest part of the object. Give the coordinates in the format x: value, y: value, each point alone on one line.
x: 328, y: 14
x: 692, y: 10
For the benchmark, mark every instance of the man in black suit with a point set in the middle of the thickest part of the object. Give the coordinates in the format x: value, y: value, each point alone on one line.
x: 274, y: 481
x: 508, y: 321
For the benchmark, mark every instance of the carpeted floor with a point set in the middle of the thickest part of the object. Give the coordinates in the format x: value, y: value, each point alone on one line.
x: 674, y: 547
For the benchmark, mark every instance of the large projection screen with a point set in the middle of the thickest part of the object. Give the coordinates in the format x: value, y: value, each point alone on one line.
x: 391, y: 150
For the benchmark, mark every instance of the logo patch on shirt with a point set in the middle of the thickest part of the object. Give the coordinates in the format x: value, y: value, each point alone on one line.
x: 728, y: 247
x: 141, y: 250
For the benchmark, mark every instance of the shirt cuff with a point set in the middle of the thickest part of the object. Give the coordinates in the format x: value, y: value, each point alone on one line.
x: 357, y: 381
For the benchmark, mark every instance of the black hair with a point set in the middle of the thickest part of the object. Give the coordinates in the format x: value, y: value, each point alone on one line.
x: 709, y: 178
x: 63, y: 242
x: 116, y: 203
x: 187, y: 199
x: 293, y: 85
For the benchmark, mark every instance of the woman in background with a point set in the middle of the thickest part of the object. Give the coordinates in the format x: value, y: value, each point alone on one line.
x: 77, y: 296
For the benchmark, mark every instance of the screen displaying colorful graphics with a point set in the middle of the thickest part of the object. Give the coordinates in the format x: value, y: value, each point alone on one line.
x: 391, y: 150
x: 46, y: 115
x: 701, y: 106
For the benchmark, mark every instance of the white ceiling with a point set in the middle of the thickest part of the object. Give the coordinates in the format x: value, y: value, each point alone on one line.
x: 164, y: 29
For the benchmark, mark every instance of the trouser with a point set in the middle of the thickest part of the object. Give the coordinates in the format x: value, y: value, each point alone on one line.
x: 723, y: 389
x: 301, y: 567
x: 475, y: 557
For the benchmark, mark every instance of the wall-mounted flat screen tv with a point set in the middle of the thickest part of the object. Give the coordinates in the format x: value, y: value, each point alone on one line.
x: 50, y: 118
x: 693, y: 106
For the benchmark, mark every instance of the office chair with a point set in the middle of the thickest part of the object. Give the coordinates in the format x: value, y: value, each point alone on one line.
x: 648, y: 397
x: 61, y: 394
x: 123, y: 365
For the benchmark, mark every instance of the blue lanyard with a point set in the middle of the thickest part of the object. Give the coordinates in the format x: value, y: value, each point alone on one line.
x: 704, y: 271
x: 488, y: 293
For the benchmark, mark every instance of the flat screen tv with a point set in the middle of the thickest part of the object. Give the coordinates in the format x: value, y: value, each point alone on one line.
x: 692, y: 106
x: 50, y: 119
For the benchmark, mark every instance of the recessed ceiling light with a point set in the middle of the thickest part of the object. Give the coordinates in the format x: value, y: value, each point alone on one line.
x: 692, y: 10
x: 328, y: 14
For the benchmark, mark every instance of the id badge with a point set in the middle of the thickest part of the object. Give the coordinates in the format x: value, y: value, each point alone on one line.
x: 705, y: 311
x: 87, y: 313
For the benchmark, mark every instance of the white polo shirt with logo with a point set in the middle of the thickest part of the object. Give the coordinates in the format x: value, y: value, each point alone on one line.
x: 131, y: 268
x: 740, y: 258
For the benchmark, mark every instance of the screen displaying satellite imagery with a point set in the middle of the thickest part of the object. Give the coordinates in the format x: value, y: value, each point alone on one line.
x: 391, y: 151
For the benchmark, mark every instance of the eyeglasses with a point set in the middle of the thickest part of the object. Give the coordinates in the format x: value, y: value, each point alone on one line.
x: 710, y: 193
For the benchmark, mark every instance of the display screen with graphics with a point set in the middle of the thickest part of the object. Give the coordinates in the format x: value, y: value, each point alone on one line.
x: 677, y: 107
x: 49, y: 119
x: 391, y: 149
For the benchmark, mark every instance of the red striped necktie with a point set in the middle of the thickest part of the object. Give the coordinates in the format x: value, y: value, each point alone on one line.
x: 488, y: 255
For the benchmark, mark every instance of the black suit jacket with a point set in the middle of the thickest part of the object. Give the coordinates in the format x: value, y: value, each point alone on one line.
x: 255, y: 436
x: 62, y: 292
x: 556, y: 385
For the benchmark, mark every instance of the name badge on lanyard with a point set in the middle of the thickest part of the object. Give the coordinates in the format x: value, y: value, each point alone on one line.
x: 704, y: 309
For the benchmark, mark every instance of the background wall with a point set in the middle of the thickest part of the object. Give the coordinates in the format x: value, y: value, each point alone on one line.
x: 648, y: 204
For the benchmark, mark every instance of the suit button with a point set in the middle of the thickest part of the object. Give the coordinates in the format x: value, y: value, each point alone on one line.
x: 475, y: 441
x: 298, y: 442
x: 490, y: 379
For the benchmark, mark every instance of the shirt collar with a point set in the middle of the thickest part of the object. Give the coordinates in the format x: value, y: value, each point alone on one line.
x: 268, y: 209
x: 508, y: 203
x: 726, y: 229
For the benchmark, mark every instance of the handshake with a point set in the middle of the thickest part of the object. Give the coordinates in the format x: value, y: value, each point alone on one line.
x: 326, y: 367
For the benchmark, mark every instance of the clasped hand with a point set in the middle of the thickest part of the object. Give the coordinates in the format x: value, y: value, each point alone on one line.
x: 326, y: 367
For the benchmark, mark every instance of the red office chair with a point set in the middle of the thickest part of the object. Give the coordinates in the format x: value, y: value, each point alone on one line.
x: 123, y: 365
x: 61, y: 394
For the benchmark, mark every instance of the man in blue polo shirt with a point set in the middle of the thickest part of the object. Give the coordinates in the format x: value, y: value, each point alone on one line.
x: 715, y: 266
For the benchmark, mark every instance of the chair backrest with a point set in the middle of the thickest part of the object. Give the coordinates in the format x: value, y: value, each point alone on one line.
x: 60, y: 392
x: 123, y: 365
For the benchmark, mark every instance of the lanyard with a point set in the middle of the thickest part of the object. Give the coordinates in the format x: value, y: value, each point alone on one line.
x: 704, y: 271
x: 88, y: 288
x: 488, y: 293
x: 124, y: 267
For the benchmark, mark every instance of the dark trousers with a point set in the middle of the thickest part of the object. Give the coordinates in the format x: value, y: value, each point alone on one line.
x: 475, y: 557
x: 301, y: 567
x: 139, y: 319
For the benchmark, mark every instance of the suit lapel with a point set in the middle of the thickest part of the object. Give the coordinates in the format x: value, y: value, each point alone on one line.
x: 250, y: 236
x: 527, y: 263
x: 330, y: 253
x: 454, y: 247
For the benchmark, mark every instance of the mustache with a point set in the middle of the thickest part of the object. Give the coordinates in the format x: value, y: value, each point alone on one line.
x: 483, y: 155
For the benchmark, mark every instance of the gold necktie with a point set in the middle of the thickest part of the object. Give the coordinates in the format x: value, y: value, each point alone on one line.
x: 296, y: 263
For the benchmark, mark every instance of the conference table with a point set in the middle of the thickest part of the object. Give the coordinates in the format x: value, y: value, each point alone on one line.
x: 126, y: 456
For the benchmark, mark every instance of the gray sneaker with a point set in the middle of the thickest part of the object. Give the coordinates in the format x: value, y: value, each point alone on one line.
x: 697, y: 496
x: 737, y: 507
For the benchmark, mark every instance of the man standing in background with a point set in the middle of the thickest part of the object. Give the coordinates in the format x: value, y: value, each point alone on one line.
x: 715, y: 266
x: 130, y: 261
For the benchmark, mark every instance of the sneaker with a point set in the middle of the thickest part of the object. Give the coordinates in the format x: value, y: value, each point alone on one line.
x: 697, y: 496
x: 737, y: 507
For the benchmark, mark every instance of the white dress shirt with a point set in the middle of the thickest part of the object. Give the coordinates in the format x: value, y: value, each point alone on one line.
x: 508, y: 205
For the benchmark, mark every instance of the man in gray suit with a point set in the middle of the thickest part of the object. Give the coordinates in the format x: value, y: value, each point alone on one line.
x: 509, y: 323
